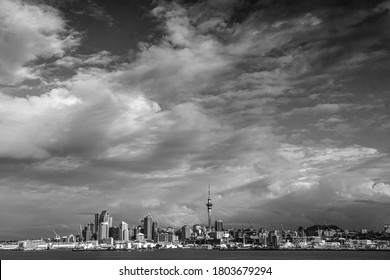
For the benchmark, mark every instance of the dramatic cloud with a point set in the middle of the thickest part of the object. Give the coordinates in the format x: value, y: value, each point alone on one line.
x: 29, y: 32
x: 281, y: 108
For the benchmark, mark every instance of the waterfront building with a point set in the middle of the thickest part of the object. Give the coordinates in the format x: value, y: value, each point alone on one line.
x: 218, y: 225
x: 148, y: 221
x: 124, y: 231
x: 126, y: 235
x: 329, y: 232
x: 113, y: 232
x: 163, y: 237
x: 154, y: 231
x: 216, y: 235
x: 103, y: 231
x: 185, y: 232
x: 274, y: 239
x: 263, y: 238
x: 91, y: 227
x: 140, y: 237
x: 97, y: 218
x: 209, y: 205
x: 87, y: 233
x: 197, y: 229
x: 137, y: 229
x: 32, y: 245
x: 173, y: 237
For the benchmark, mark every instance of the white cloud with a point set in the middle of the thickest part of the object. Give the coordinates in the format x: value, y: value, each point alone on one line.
x: 199, y: 106
x: 100, y: 59
x: 177, y: 24
x: 318, y: 155
x: 27, y: 32
x: 31, y: 125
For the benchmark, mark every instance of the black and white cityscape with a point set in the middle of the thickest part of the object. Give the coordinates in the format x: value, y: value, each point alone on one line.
x: 116, y: 116
x: 102, y: 234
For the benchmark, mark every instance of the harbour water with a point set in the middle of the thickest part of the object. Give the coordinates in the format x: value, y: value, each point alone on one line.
x: 197, y: 255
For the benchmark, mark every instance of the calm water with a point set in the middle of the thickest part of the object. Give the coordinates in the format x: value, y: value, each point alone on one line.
x: 194, y: 255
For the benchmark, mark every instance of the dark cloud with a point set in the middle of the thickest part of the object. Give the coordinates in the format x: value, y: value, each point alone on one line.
x: 280, y: 106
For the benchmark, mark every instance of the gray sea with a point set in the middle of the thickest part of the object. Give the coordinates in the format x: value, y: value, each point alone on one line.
x: 195, y: 255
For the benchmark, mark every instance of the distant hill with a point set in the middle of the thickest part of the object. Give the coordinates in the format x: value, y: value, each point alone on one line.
x: 323, y: 227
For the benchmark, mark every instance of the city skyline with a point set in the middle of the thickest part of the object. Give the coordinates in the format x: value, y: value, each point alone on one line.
x: 138, y: 106
x: 149, y: 228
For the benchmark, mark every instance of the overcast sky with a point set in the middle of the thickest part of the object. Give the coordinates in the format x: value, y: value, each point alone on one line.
x: 135, y: 107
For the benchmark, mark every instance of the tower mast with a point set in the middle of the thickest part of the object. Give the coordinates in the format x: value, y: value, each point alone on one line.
x: 209, y: 205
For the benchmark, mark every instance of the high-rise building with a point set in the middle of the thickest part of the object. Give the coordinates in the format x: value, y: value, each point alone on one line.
x: 86, y: 233
x: 104, y: 217
x: 103, y: 231
x: 209, y: 205
x: 91, y: 227
x: 148, y: 221
x: 155, y: 231
x: 197, y: 230
x: 97, y: 218
x: 218, y: 225
x: 163, y: 237
x: 185, y: 232
x: 124, y: 231
x: 114, y: 233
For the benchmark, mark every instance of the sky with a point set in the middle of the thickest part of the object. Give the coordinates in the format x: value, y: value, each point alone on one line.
x: 136, y: 107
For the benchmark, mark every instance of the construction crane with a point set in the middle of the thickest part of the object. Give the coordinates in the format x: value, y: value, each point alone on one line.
x: 57, y: 237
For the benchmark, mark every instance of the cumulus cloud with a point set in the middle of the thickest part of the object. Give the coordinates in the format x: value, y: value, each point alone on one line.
x: 28, y: 32
x: 31, y: 124
x: 254, y: 99
x: 172, y: 72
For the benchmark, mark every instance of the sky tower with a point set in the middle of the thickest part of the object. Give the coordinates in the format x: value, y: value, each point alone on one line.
x: 209, y: 206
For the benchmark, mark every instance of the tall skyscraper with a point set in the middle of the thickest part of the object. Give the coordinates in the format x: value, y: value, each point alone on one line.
x: 218, y: 225
x: 86, y: 233
x: 104, y: 217
x: 96, y: 222
x: 114, y: 233
x: 110, y: 221
x: 103, y: 231
x: 91, y: 227
x: 124, y: 231
x: 154, y: 230
x: 209, y: 205
x: 148, y: 221
x: 185, y: 232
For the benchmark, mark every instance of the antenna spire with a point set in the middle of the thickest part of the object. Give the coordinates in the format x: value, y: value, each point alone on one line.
x: 209, y: 207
